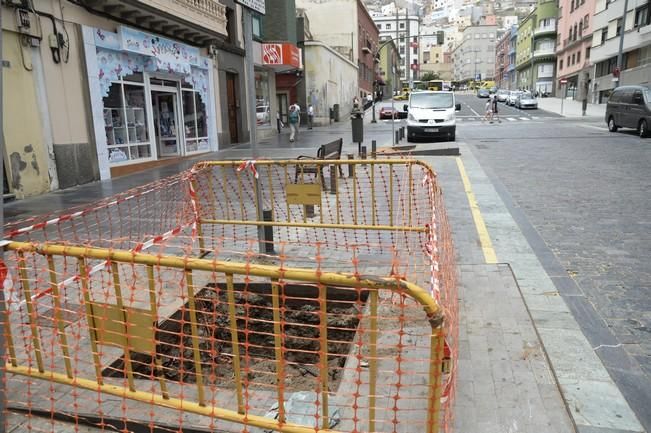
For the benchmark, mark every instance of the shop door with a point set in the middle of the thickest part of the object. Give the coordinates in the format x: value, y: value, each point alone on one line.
x: 282, y: 106
x: 231, y: 93
x: 165, y: 111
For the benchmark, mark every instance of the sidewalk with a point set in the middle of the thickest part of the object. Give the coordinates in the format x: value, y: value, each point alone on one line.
x: 571, y: 108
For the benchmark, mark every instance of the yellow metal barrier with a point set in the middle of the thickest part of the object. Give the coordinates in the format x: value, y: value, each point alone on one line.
x: 338, y: 311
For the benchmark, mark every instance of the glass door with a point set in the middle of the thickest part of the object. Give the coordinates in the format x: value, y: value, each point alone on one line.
x: 166, y: 129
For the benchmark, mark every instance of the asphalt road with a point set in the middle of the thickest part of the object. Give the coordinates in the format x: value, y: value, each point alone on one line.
x: 581, y: 196
x: 583, y: 192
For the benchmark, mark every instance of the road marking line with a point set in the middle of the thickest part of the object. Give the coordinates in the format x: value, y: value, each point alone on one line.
x: 480, y: 225
x: 523, y: 118
x: 471, y: 109
x: 600, y: 128
x: 510, y: 119
x: 535, y: 117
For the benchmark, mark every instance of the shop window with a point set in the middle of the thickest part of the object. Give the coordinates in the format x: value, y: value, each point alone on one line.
x: 125, y: 121
x: 194, y: 121
x: 262, y: 99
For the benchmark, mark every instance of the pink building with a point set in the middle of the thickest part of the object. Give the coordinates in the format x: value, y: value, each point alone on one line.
x: 573, y: 47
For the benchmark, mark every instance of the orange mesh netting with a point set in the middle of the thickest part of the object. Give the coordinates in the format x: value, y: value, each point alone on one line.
x: 292, y: 296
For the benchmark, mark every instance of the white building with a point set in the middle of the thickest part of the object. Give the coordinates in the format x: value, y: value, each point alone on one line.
x: 406, y: 30
x: 607, y: 25
x: 474, y: 57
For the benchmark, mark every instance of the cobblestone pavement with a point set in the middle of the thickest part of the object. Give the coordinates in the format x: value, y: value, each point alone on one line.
x: 585, y: 194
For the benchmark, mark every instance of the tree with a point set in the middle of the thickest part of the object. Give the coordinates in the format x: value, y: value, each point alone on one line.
x: 429, y: 76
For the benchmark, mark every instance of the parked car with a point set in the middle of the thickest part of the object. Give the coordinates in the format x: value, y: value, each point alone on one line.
x: 262, y: 114
x: 388, y: 113
x: 513, y: 96
x: 502, y: 95
x: 526, y: 100
x: 630, y: 107
x: 483, y: 93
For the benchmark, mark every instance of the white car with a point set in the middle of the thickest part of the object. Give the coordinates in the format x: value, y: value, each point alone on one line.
x: 431, y: 114
x: 262, y: 114
x: 513, y: 97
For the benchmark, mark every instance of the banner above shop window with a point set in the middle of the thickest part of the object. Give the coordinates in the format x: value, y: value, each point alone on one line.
x: 281, y: 56
x: 129, y: 51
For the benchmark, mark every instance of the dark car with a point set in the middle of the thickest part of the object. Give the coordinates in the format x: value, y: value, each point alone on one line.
x: 388, y: 113
x: 630, y: 107
x: 483, y: 93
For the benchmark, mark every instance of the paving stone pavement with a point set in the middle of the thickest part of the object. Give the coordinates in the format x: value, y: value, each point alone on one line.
x: 593, y: 399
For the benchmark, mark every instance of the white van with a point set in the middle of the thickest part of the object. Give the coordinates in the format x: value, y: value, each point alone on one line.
x: 431, y: 115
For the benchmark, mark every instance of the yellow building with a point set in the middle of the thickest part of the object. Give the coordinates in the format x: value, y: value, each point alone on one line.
x: 94, y: 90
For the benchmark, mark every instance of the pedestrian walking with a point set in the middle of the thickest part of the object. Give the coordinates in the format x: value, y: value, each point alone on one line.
x: 310, y: 116
x: 279, y: 122
x: 495, y: 115
x: 488, y: 112
x: 293, y: 122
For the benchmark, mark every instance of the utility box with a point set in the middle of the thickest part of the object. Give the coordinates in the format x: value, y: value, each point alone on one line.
x: 358, y: 127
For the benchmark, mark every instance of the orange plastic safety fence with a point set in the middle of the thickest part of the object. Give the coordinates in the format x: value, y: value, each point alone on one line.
x: 163, y: 308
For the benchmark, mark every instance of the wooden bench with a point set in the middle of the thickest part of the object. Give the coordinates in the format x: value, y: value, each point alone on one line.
x: 330, y: 151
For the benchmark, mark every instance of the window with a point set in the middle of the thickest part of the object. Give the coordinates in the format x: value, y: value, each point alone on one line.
x: 587, y: 53
x: 618, y: 30
x: 402, y: 50
x: 491, y: 36
x: 402, y: 25
x: 476, y: 35
x: 388, y: 26
x: 572, y: 6
x: 194, y: 117
x: 573, y: 58
x: 642, y: 16
x: 415, y: 50
x: 125, y: 114
x: 580, y: 28
x: 582, y: 1
x: 578, y: 57
x: 483, y: 35
x: 231, y: 25
x: 585, y: 21
x: 575, y: 32
x: 604, y: 35
x: 568, y: 61
x: 257, y: 26
x: 560, y: 64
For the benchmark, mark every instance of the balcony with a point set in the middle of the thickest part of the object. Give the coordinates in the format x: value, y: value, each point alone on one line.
x: 542, y: 30
x: 544, y: 51
x: 199, y: 22
x: 367, y: 47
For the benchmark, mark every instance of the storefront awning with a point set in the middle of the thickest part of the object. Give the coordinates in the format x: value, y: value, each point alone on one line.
x: 281, y: 56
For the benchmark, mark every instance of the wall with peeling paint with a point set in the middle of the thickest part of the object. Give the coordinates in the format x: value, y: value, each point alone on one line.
x: 25, y: 151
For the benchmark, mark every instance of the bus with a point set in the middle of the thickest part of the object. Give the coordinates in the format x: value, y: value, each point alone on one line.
x: 436, y: 85
x: 419, y: 85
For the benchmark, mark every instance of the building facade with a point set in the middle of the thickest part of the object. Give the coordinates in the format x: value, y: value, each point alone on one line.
x: 277, y: 64
x: 389, y: 68
x: 607, y: 28
x: 536, y: 49
x: 502, y: 48
x: 573, y: 48
x: 474, y: 56
x: 149, y: 89
x: 349, y: 37
x: 405, y: 29
x: 367, y: 51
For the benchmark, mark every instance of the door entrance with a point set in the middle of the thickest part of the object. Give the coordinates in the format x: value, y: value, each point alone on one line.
x: 282, y: 106
x: 231, y: 92
x: 165, y: 122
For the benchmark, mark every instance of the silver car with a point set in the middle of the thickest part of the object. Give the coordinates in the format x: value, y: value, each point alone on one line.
x: 526, y: 100
x: 513, y: 96
x: 502, y: 95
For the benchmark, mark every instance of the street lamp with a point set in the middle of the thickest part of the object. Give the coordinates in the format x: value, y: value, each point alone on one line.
x: 621, y: 45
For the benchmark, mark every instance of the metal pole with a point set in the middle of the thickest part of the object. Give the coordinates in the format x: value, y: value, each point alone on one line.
x: 393, y: 104
x: 562, y: 96
x: 250, y: 89
x: 620, y: 54
x: 3, y: 403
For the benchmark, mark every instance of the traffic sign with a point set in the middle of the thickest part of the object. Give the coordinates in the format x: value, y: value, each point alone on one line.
x: 256, y: 5
x: 563, y: 80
